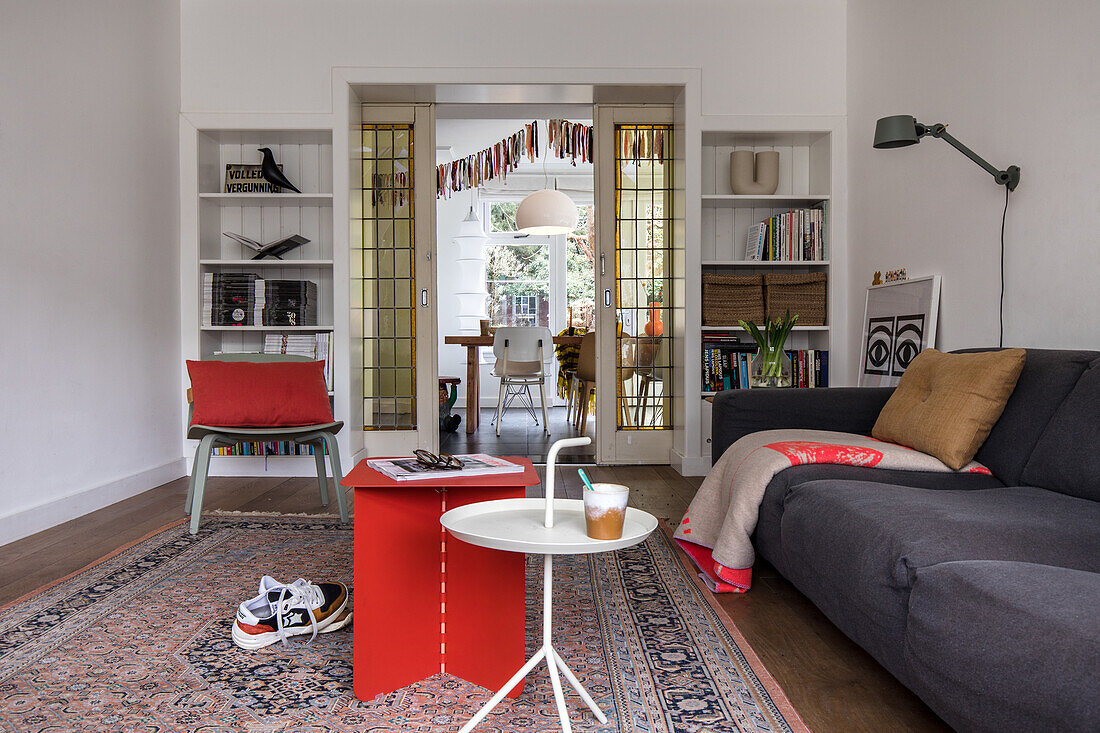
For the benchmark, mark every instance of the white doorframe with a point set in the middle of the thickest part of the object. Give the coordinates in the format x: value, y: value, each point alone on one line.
x: 426, y: 432
x: 615, y: 444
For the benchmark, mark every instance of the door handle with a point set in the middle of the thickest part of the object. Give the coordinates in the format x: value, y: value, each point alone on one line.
x: 603, y: 262
x: 424, y: 297
x: 607, y: 298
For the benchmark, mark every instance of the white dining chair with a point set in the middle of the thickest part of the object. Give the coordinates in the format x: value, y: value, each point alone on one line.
x: 522, y: 353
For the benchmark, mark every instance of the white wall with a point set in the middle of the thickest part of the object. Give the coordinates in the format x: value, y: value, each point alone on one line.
x: 732, y: 41
x: 1019, y: 84
x: 88, y: 256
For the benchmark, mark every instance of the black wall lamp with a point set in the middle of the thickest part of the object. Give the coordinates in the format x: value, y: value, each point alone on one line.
x: 897, y: 131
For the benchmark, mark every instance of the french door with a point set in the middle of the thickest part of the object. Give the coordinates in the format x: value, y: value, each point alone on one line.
x: 639, y: 246
x: 393, y: 278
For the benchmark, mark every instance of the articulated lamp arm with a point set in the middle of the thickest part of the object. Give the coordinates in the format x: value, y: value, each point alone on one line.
x: 1009, y: 177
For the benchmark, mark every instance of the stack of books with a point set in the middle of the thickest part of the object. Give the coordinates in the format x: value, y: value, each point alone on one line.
x: 286, y: 303
x: 726, y: 361
x: 229, y: 299
x: 794, y: 236
x: 317, y: 346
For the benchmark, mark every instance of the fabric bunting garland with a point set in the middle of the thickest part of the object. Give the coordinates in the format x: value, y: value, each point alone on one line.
x: 498, y: 160
x: 570, y: 140
x: 642, y: 143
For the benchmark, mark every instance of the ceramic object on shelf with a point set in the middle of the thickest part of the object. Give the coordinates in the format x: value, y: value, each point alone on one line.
x: 754, y: 174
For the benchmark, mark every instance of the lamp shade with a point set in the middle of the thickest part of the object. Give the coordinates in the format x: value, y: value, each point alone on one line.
x: 546, y: 212
x: 896, y: 131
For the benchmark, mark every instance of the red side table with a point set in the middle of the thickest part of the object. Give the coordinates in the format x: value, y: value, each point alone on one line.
x: 424, y: 602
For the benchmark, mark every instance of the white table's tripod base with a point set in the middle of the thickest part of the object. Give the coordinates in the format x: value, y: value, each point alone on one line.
x: 553, y: 661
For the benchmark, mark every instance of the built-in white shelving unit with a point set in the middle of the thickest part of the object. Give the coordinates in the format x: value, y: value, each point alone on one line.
x: 807, y: 179
x: 305, y: 154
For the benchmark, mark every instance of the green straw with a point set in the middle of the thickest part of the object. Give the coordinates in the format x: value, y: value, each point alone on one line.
x: 584, y: 478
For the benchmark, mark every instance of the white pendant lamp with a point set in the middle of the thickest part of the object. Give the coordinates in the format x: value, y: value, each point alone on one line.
x: 546, y: 212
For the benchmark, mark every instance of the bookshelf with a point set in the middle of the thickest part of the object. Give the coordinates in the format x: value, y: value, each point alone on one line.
x: 806, y: 181
x: 305, y: 154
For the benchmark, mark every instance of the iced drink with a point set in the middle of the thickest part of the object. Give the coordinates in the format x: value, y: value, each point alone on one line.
x: 605, y: 510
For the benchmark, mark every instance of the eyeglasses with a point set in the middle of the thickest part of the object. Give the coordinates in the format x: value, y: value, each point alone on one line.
x: 443, y: 461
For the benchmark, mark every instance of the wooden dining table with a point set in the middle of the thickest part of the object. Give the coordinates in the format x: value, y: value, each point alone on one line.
x: 473, y: 371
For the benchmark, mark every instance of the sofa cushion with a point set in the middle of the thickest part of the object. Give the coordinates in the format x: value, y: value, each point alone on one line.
x: 766, y: 538
x: 946, y: 404
x: 1047, y: 377
x: 998, y: 646
x: 853, y: 546
x: 1067, y: 457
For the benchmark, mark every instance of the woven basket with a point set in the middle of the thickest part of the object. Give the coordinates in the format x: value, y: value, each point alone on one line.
x: 729, y: 298
x: 800, y: 293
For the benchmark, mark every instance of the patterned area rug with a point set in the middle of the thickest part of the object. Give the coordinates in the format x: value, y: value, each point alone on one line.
x: 140, y: 642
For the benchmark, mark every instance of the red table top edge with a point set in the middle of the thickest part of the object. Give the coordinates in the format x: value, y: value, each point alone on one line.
x: 365, y: 477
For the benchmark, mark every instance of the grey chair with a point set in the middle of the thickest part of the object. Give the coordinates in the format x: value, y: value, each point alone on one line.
x: 319, y: 436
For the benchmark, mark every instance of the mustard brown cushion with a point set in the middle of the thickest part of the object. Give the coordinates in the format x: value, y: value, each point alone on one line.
x: 946, y: 404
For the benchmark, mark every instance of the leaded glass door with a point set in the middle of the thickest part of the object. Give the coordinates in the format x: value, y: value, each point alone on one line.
x: 640, y: 246
x: 393, y: 279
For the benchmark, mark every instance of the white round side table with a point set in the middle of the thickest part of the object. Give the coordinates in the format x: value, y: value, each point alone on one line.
x: 546, y: 527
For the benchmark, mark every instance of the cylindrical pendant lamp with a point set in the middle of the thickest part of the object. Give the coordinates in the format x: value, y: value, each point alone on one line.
x: 470, y: 263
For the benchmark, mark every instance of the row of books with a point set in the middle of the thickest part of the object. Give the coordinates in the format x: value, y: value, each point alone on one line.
x: 809, y: 367
x: 726, y: 360
x: 245, y: 299
x: 270, y: 448
x: 793, y: 236
x: 727, y: 363
x: 317, y: 346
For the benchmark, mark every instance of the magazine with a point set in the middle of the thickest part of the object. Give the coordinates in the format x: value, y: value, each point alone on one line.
x: 477, y: 464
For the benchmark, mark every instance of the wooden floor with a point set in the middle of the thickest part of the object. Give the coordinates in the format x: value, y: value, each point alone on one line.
x: 831, y: 682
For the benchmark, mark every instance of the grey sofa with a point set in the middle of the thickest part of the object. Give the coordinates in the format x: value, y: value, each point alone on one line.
x: 980, y: 593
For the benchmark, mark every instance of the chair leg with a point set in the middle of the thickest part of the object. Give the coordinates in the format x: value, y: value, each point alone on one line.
x: 542, y: 396
x: 191, y: 482
x: 337, y: 475
x: 568, y: 398
x: 322, y: 479
x: 198, y: 472
x: 585, y: 394
x: 500, y: 404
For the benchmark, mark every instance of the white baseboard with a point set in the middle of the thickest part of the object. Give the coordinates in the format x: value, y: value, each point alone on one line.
x: 26, y: 522
x: 689, y: 465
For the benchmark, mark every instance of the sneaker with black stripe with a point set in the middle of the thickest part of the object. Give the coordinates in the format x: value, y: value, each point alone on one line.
x: 282, y: 610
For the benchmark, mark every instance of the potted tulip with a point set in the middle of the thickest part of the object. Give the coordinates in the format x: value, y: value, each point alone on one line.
x: 770, y: 365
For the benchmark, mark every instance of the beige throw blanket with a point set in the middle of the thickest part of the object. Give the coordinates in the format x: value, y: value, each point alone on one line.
x: 716, y: 529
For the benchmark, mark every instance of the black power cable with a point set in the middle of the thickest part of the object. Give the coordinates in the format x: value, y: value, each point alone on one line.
x: 1004, y: 214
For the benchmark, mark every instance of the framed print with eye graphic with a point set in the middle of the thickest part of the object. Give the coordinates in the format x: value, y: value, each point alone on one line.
x: 899, y: 322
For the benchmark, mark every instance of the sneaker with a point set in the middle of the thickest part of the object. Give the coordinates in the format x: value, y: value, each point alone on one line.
x: 282, y: 610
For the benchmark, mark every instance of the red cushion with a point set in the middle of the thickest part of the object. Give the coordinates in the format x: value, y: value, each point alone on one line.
x: 259, y: 394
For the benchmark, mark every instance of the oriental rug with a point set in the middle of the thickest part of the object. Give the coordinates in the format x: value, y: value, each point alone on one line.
x: 140, y: 641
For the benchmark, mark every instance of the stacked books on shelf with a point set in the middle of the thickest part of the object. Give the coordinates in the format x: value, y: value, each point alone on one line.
x: 286, y: 302
x: 229, y: 298
x: 793, y: 236
x: 317, y: 346
x: 726, y: 361
x: 243, y: 299
x: 809, y: 368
